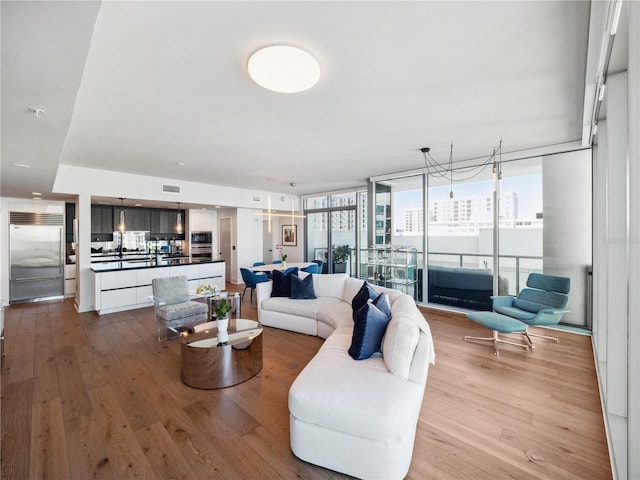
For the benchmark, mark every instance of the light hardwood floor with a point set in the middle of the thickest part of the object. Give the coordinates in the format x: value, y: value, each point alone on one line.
x: 85, y: 396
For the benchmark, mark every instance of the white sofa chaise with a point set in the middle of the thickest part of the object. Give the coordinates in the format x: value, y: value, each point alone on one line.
x: 357, y: 417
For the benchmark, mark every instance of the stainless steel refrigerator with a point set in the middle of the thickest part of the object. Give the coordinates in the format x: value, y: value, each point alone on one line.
x: 36, y: 259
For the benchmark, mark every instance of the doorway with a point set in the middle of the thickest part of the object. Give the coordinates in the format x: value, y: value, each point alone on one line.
x: 224, y: 227
x: 267, y: 243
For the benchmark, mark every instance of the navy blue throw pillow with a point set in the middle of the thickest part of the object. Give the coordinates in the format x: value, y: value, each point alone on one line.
x: 282, y: 283
x: 361, y: 298
x: 368, y: 330
x: 302, y: 288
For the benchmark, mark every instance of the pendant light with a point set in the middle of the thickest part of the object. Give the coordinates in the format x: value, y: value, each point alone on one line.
x: 179, y: 220
x: 463, y: 174
x: 121, y: 225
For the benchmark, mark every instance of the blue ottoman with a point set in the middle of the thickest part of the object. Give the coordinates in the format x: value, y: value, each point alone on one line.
x: 499, y: 324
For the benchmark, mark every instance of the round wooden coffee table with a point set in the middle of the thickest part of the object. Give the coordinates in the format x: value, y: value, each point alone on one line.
x: 208, y: 363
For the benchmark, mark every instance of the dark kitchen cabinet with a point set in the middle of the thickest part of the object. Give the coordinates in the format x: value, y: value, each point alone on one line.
x: 69, y: 215
x: 135, y: 218
x: 101, y: 223
x: 164, y: 224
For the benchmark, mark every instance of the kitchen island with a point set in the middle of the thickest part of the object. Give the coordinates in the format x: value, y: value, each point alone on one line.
x: 125, y: 285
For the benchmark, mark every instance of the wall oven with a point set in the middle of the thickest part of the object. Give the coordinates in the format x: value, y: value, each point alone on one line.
x: 201, y: 247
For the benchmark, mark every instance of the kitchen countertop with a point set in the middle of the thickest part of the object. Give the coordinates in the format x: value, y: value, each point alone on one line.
x: 139, y: 264
x: 132, y: 257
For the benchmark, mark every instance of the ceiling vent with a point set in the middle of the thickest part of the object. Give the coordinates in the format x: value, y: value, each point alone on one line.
x: 170, y: 188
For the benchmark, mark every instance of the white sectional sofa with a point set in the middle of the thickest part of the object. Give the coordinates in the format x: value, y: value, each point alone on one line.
x: 357, y: 417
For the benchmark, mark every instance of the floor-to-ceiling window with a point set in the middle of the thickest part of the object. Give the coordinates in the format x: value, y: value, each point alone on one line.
x: 521, y: 222
x: 460, y: 242
x: 335, y: 224
x: 475, y: 251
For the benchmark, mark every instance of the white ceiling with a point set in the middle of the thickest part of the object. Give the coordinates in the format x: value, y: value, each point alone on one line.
x: 141, y: 86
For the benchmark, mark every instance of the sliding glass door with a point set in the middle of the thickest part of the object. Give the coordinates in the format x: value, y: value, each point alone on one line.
x: 334, y: 224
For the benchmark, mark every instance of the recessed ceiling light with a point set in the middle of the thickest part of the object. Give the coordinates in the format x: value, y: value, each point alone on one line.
x: 284, y: 69
x: 36, y: 193
x: 21, y: 165
x: 138, y: 205
x: 217, y: 206
x: 180, y: 164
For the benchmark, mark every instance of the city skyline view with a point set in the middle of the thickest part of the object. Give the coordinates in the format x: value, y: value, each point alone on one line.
x: 528, y: 189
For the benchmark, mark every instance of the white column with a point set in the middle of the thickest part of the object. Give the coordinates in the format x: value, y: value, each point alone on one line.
x: 84, y: 294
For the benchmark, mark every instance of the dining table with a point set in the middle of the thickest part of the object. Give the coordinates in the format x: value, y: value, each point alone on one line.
x: 269, y: 268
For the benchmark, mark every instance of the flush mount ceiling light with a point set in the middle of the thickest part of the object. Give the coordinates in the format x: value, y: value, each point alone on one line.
x: 36, y: 111
x: 284, y: 69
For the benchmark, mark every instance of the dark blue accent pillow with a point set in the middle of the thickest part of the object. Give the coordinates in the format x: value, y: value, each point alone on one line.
x: 302, y: 288
x: 369, y: 328
x: 282, y: 283
x: 361, y: 298
x: 382, y: 302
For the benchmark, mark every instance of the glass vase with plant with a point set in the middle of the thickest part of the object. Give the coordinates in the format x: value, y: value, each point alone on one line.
x: 206, y: 289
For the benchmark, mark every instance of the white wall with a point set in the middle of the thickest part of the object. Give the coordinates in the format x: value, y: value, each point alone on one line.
x: 75, y: 180
x: 248, y: 242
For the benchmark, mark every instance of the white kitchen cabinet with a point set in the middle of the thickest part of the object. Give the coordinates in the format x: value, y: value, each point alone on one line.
x: 211, y: 270
x: 118, y: 298
x: 145, y: 276
x: 118, y: 279
x: 70, y: 280
x: 202, y: 220
x: 119, y: 290
x: 143, y: 294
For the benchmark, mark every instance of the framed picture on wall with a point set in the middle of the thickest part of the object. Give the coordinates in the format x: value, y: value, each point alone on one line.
x: 289, y: 235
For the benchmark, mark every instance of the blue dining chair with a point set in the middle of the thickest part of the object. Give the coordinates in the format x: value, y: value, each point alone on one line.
x: 322, y: 265
x: 260, y: 264
x: 251, y: 280
x: 290, y: 269
x: 315, y: 268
